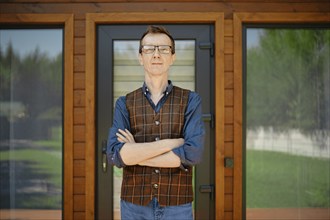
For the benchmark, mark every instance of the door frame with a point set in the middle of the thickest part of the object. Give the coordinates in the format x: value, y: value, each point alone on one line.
x: 92, y: 19
x: 239, y: 20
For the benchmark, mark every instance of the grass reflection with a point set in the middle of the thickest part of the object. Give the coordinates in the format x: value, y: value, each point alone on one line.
x: 31, y: 175
x: 280, y: 180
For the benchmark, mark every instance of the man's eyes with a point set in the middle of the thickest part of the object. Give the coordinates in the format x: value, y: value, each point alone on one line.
x: 162, y: 49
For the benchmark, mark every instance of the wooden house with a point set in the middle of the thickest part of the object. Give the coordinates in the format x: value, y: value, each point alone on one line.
x: 89, y: 26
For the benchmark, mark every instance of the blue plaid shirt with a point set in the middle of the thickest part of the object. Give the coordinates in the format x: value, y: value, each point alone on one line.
x: 190, y: 153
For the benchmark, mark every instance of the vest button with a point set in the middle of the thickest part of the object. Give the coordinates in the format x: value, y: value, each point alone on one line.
x: 157, y: 122
x: 155, y: 186
x: 157, y: 139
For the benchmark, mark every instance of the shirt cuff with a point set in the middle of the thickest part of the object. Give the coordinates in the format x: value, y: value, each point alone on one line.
x: 180, y: 153
x: 114, y: 157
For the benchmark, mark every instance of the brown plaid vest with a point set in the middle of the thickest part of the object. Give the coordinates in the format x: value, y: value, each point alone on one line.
x: 171, y: 186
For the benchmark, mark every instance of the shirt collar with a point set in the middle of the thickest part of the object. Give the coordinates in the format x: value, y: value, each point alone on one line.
x: 166, y: 92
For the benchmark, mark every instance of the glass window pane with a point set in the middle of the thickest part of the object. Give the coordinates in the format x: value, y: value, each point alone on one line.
x: 31, y: 122
x: 129, y: 75
x: 287, y: 123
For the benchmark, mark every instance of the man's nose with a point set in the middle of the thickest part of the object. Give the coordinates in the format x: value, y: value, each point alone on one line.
x: 156, y: 52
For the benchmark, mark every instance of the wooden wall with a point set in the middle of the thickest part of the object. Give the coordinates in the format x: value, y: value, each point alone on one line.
x: 77, y: 193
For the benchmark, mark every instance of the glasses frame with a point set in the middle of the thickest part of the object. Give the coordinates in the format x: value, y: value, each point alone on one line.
x: 154, y: 49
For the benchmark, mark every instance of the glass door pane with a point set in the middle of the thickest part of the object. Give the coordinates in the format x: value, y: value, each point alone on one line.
x: 287, y: 123
x: 129, y: 75
x: 31, y: 122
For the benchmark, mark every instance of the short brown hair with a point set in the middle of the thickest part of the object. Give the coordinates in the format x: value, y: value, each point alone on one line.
x: 157, y: 30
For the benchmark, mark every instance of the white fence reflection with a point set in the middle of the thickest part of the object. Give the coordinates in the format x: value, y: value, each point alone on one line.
x: 291, y: 142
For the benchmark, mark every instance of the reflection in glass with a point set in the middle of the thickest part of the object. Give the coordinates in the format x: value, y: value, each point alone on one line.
x: 288, y: 123
x: 31, y: 123
x: 129, y: 75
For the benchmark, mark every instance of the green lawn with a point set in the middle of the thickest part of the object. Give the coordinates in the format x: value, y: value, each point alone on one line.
x: 281, y: 180
x: 38, y: 175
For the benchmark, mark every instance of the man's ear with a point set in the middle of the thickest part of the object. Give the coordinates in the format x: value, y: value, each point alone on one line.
x: 140, y: 59
x: 173, y: 58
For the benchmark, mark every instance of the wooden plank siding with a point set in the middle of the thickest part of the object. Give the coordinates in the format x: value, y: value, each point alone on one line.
x: 79, y: 18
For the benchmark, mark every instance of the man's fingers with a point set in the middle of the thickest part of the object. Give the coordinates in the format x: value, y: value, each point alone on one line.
x: 125, y: 136
x: 129, y: 136
x: 121, y: 138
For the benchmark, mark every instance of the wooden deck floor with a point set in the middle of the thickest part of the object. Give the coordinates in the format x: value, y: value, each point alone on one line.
x: 252, y: 214
x: 30, y: 214
x: 288, y: 214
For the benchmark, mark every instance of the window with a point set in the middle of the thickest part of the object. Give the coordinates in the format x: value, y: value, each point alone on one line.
x: 287, y: 115
x: 31, y: 122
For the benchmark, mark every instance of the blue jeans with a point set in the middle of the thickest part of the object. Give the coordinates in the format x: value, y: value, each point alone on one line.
x: 153, y: 211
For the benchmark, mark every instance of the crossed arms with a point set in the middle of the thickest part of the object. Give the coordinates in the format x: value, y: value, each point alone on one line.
x: 153, y: 154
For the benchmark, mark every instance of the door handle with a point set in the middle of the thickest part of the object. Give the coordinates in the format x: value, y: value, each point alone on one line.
x: 208, y: 117
x: 207, y: 189
x: 104, y: 156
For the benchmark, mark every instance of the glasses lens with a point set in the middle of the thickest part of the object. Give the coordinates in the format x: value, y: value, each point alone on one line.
x: 148, y: 49
x: 164, y: 49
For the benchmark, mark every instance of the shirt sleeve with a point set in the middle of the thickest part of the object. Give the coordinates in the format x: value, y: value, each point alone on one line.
x: 191, y: 152
x: 120, y: 121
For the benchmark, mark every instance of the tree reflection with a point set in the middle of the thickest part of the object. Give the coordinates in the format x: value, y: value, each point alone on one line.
x: 31, y: 130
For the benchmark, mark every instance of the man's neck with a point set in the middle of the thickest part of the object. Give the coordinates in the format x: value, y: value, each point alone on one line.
x: 156, y: 86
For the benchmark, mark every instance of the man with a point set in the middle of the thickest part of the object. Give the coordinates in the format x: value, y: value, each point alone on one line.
x: 157, y: 137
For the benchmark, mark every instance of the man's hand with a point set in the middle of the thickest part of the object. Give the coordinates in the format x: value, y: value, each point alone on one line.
x: 125, y: 136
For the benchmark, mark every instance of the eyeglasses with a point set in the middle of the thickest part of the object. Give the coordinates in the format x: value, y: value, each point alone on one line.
x: 163, y: 49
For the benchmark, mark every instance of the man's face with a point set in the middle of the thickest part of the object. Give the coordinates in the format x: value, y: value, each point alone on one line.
x: 156, y: 63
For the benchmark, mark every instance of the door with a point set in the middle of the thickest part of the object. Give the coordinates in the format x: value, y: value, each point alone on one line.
x: 118, y: 72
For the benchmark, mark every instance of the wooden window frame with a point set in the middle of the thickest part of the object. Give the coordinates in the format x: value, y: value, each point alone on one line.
x: 92, y: 19
x: 239, y: 20
x: 67, y: 21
